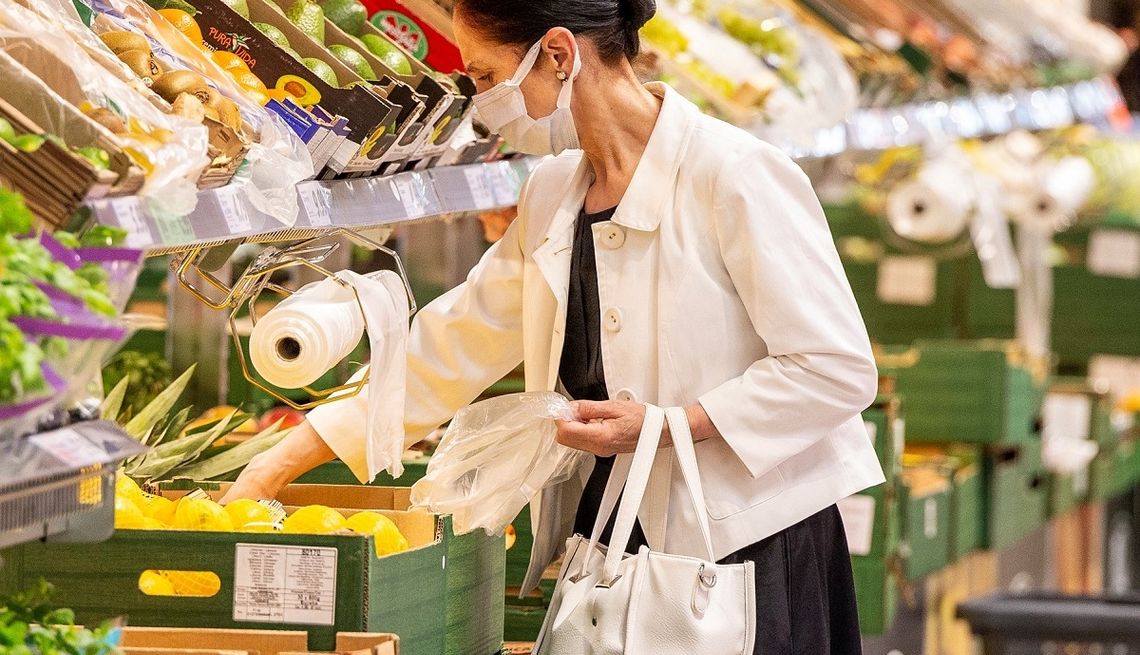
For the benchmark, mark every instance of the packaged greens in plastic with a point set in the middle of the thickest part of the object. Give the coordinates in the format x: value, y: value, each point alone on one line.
x: 170, y: 150
x: 495, y: 457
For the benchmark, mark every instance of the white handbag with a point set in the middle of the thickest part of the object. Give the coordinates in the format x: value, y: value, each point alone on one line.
x: 607, y: 602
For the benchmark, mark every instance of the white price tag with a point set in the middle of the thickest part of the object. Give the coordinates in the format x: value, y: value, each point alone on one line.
x: 406, y: 191
x: 930, y: 518
x: 504, y: 185
x: 316, y: 199
x: 1118, y: 374
x: 129, y: 215
x: 858, y: 514
x: 480, y: 192
x: 69, y: 448
x: 1114, y: 253
x: 908, y: 280
x: 233, y: 211
x: 1066, y: 416
x: 285, y: 584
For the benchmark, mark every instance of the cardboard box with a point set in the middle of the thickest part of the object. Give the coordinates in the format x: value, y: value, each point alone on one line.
x: 188, y: 641
x: 427, y: 595
x: 372, y: 120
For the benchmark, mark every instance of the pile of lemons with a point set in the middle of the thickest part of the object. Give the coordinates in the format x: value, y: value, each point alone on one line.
x: 137, y: 510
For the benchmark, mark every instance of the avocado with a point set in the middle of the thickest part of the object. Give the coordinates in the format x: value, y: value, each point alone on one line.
x: 353, y: 60
x: 309, y: 18
x: 348, y: 15
x: 321, y: 69
x: 388, y: 52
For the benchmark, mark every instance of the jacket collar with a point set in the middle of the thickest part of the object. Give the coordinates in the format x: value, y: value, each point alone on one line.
x: 648, y: 197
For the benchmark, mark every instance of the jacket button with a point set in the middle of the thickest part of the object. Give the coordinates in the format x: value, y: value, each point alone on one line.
x: 612, y: 320
x: 626, y: 395
x: 613, y: 237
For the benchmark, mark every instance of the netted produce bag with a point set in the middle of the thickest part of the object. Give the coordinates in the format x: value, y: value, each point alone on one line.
x: 495, y: 457
x: 170, y: 150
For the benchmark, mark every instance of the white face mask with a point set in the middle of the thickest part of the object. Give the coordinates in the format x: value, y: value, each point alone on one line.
x: 503, y: 110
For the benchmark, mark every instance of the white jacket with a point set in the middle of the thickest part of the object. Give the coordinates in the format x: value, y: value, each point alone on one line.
x: 719, y: 283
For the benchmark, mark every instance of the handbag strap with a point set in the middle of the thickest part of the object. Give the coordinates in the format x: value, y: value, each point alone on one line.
x: 632, y: 473
x: 687, y: 459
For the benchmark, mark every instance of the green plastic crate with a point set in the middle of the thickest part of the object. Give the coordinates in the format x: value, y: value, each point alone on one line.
x: 337, y: 472
x: 886, y: 428
x: 876, y: 594
x: 966, y: 392
x: 926, y: 527
x: 967, y: 511
x: 1016, y: 494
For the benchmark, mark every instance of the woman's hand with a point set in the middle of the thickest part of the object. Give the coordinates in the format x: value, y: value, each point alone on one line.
x: 267, y: 474
x: 612, y: 427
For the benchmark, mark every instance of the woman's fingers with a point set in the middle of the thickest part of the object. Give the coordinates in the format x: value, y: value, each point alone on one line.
x: 589, y: 410
x: 588, y: 437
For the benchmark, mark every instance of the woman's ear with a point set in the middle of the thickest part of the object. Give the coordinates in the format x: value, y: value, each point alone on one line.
x: 560, y: 46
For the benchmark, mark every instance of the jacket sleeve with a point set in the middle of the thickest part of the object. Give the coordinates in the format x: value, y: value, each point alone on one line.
x: 778, y: 251
x: 459, y: 344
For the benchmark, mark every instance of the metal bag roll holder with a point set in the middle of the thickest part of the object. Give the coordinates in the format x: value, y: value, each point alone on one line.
x: 257, y: 279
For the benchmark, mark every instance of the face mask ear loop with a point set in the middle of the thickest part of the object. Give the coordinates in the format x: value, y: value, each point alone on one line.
x: 526, y: 65
x: 568, y: 84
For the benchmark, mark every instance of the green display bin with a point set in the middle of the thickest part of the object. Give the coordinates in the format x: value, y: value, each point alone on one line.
x: 886, y: 428
x: 967, y: 511
x: 1066, y: 492
x: 876, y: 594
x: 523, y: 623
x: 444, y: 595
x: 973, y: 392
x: 926, y: 524
x: 337, y: 472
x: 1016, y: 494
x: 518, y: 556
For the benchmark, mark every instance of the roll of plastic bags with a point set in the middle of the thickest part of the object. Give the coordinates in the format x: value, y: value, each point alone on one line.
x: 72, y: 71
x: 494, y: 458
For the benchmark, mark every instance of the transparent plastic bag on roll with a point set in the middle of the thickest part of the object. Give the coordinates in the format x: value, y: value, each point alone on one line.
x: 495, y: 457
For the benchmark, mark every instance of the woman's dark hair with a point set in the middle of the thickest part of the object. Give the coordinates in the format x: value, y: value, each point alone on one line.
x: 612, y: 25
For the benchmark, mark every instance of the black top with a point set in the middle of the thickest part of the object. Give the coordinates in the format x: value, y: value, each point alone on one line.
x: 581, y: 370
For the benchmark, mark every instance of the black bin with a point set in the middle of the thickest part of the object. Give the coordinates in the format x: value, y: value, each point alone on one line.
x: 1037, y: 623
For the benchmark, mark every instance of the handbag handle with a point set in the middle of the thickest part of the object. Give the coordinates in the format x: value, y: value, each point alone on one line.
x: 633, y: 473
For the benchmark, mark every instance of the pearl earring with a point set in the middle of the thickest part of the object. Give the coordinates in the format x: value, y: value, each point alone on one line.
x: 561, y: 75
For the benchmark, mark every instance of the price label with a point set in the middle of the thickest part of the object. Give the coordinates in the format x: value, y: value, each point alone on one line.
x: 129, y: 215
x: 70, y: 448
x: 234, y: 213
x: 407, y: 190
x: 285, y: 584
x: 317, y: 201
x: 175, y: 230
x: 504, y: 184
x: 930, y: 518
x: 909, y: 280
x: 1114, y: 253
x: 858, y: 514
x: 480, y: 191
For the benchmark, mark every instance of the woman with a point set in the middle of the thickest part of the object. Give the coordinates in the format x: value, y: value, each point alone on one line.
x: 662, y: 257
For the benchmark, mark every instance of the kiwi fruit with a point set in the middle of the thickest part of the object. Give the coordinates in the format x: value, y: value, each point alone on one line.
x: 171, y: 85
x: 142, y: 63
x: 228, y: 114
x: 188, y: 106
x: 107, y: 119
x: 120, y: 42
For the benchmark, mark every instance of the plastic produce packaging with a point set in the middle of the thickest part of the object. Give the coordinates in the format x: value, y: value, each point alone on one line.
x: 171, y: 150
x: 495, y: 457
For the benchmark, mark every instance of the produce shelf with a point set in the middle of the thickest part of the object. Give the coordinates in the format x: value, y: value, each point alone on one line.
x: 226, y: 213
x: 60, y: 485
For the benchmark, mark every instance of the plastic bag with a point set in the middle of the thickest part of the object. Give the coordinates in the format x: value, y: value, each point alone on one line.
x: 495, y: 457
x: 56, y: 50
x: 277, y: 160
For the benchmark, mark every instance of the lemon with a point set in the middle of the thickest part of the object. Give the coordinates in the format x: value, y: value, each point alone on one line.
x: 245, y: 511
x: 165, y: 512
x: 384, y: 532
x: 153, y: 583
x: 314, y: 519
x: 128, y: 516
x: 129, y: 489
x: 153, y: 506
x: 197, y: 584
x: 260, y: 527
x: 201, y: 514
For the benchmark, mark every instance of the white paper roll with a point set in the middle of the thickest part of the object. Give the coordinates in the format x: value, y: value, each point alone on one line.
x: 934, y: 207
x: 307, y: 334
